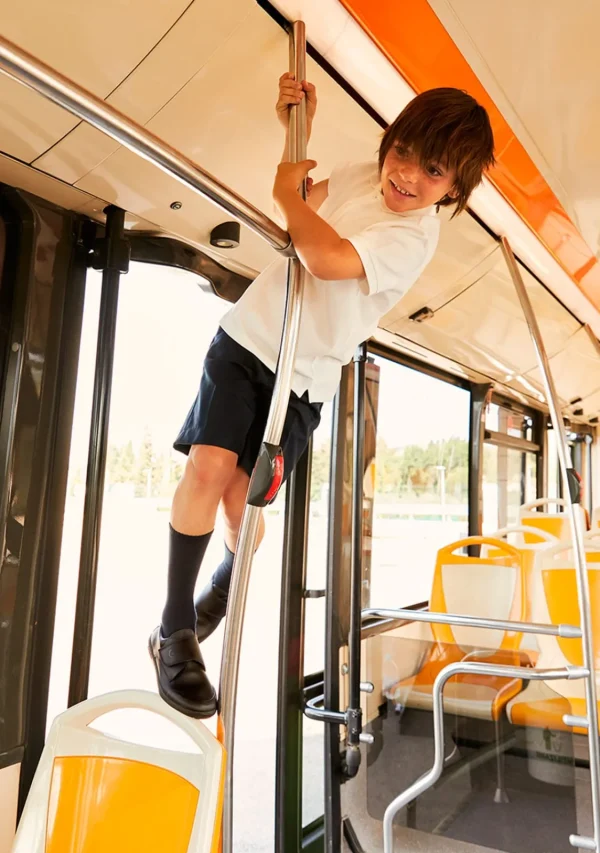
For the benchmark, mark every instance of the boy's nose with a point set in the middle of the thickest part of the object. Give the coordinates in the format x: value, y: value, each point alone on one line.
x: 408, y: 173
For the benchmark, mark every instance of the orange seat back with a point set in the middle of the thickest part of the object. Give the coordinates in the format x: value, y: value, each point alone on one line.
x: 491, y: 586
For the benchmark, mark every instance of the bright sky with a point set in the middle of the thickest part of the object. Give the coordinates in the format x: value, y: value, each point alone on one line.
x: 415, y: 408
x: 165, y: 324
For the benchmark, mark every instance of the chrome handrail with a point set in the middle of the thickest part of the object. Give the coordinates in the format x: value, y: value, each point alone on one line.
x: 570, y: 631
x: 578, y: 545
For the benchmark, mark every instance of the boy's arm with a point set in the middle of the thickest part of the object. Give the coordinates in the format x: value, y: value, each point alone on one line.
x: 320, y: 248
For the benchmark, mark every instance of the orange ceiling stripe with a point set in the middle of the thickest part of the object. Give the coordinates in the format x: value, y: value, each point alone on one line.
x: 417, y: 44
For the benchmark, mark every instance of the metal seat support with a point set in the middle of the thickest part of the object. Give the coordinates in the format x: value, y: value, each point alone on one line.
x: 431, y: 777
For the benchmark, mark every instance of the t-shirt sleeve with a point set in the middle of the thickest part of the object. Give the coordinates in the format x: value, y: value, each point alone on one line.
x: 394, y: 255
x: 338, y: 178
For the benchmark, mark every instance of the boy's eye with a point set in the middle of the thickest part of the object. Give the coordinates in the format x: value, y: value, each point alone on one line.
x: 401, y: 151
x: 434, y: 171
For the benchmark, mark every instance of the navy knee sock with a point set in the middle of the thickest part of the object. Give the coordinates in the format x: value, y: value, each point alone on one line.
x: 185, y: 556
x: 222, y: 575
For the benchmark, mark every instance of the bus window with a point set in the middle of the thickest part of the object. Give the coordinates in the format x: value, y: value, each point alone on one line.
x: 421, y: 482
x: 71, y: 538
x: 316, y: 563
x: 553, y: 471
x: 580, y: 441
x: 581, y: 455
x: 313, y: 774
x: 510, y: 459
x: 164, y: 327
x: 509, y: 480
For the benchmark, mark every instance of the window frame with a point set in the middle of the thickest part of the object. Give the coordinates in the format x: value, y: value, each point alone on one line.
x: 522, y: 445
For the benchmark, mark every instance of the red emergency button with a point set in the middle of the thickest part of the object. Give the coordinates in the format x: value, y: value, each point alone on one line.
x: 277, y: 478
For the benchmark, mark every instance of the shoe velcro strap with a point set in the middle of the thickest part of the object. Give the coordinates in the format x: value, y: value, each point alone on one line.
x: 181, y: 651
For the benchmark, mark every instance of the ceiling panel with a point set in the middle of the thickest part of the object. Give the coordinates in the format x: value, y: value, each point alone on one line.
x: 192, y: 40
x: 23, y: 177
x: 576, y: 369
x: 484, y: 327
x: 591, y: 405
x: 98, y: 48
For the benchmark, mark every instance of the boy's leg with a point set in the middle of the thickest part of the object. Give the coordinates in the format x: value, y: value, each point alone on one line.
x: 180, y: 670
x: 199, y: 492
x: 301, y: 420
x: 234, y: 503
x: 214, y: 433
x: 211, y: 603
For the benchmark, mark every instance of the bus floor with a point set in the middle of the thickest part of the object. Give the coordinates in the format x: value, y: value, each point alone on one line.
x: 548, y: 799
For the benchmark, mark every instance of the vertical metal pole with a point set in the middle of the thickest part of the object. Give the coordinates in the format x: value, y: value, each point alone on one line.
x: 571, y: 494
x: 480, y: 395
x: 589, y: 485
x: 541, y: 472
x: 334, y: 637
x: 352, y: 762
x: 113, y: 264
x: 246, y: 544
x: 288, y: 758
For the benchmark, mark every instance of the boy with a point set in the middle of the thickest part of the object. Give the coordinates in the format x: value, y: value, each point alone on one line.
x: 364, y: 237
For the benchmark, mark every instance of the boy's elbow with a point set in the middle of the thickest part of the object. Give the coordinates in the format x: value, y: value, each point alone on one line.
x: 335, y: 266
x: 323, y: 269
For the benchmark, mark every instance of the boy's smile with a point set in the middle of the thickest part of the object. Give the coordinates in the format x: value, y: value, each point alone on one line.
x: 406, y: 185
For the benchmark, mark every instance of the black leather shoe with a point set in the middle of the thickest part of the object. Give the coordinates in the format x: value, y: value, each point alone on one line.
x: 181, y: 674
x: 211, y: 606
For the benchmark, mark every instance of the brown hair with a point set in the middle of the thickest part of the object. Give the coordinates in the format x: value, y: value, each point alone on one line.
x: 447, y: 127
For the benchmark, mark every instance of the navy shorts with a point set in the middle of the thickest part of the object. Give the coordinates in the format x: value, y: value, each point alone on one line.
x: 232, y: 406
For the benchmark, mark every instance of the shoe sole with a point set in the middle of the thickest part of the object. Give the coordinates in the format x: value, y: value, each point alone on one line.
x: 202, y: 712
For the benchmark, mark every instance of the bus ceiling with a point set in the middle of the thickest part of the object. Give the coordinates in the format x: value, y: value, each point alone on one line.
x: 157, y: 81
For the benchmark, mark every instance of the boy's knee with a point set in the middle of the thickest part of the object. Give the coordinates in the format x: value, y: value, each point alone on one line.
x: 211, y: 467
x: 234, y: 498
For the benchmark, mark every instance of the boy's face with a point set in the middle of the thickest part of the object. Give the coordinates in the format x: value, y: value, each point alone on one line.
x: 407, y: 185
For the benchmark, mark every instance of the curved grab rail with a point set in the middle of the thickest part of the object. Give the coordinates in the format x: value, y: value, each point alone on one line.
x: 84, y: 713
x: 449, y: 550
x: 524, y: 528
x: 544, y: 502
x: 463, y: 620
x: 473, y: 668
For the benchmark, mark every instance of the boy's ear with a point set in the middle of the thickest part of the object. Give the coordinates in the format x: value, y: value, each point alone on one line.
x: 449, y: 197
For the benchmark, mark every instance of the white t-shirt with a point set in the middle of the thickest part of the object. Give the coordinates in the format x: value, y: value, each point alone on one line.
x: 339, y: 315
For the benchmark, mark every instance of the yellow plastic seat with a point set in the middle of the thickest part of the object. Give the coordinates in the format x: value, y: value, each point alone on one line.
x: 543, y: 705
x: 556, y: 523
x: 531, y: 542
x: 491, y: 586
x: 592, y: 544
x: 96, y: 794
